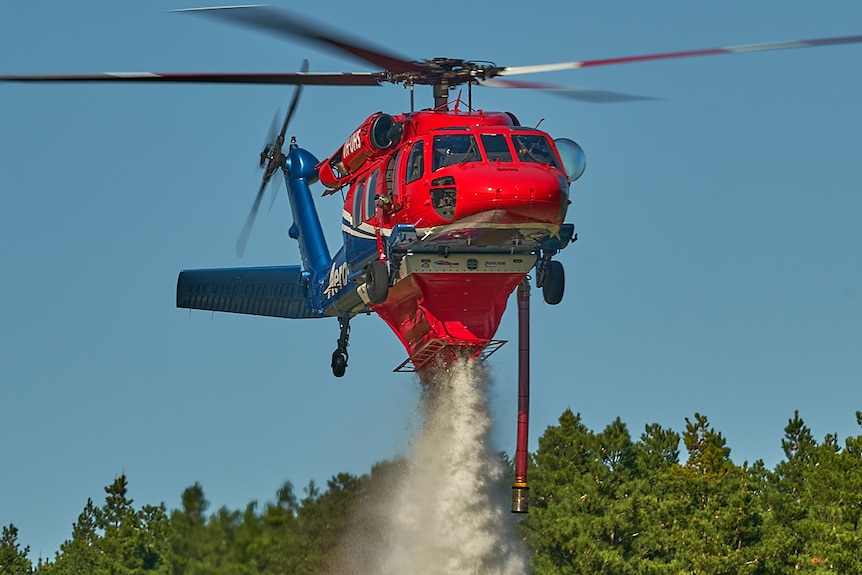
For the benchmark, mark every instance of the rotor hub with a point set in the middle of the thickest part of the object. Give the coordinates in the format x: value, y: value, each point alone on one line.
x: 445, y: 72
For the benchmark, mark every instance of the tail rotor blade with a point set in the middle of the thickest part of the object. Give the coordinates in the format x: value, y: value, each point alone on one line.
x: 270, y: 138
x: 274, y: 195
x: 249, y: 221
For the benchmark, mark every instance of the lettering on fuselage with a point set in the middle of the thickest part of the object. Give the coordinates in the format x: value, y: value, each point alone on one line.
x: 337, y: 280
x: 495, y: 264
x: 353, y: 143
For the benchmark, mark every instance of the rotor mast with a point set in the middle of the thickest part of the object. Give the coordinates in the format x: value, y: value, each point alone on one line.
x: 441, y: 95
x: 443, y: 74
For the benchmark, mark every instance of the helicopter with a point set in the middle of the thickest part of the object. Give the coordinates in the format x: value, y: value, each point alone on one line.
x: 445, y: 213
x: 447, y: 209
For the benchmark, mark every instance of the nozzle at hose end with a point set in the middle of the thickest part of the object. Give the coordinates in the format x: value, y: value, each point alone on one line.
x: 520, y: 498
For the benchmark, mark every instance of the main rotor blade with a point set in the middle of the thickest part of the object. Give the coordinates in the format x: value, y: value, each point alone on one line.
x: 292, y: 78
x: 572, y: 92
x: 284, y: 23
x: 740, y: 49
x: 249, y: 220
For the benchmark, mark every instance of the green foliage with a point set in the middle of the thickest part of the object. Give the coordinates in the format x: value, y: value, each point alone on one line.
x: 115, y: 539
x: 604, y: 504
x: 600, y: 503
x: 13, y: 559
x: 583, y: 511
x: 285, y: 536
x: 815, y: 503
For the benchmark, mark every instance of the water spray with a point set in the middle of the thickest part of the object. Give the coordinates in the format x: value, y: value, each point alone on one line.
x: 443, y: 511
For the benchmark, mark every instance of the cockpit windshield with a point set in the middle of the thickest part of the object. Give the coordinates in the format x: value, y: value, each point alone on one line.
x: 522, y: 146
x: 534, y: 148
x: 452, y: 149
x: 496, y: 148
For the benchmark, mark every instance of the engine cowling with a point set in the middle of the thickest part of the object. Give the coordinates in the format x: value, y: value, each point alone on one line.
x: 379, y: 133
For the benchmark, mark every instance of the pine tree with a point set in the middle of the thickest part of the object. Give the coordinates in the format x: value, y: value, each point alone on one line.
x: 788, y: 528
x: 324, y: 519
x: 657, y: 501
x: 118, y: 522
x: 13, y: 559
x: 279, y: 544
x: 192, y: 542
x: 721, y: 532
x: 80, y: 554
x: 115, y: 539
x: 580, y: 519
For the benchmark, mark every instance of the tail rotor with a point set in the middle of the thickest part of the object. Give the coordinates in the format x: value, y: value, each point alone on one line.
x: 271, y: 158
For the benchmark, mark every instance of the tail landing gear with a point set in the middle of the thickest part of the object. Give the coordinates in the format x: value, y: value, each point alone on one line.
x: 339, y: 356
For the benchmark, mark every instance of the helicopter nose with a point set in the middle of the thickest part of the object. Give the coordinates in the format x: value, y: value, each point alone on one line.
x: 532, y: 194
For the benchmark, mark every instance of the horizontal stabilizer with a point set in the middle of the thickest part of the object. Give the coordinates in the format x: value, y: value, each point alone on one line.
x: 270, y: 291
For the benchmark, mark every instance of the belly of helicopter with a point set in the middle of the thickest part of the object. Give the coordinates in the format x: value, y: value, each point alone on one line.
x: 452, y: 302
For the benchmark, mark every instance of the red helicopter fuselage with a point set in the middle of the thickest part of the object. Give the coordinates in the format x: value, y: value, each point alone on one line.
x: 461, y: 206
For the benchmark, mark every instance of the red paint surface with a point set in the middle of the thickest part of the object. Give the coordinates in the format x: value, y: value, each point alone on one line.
x: 457, y: 310
x: 502, y: 205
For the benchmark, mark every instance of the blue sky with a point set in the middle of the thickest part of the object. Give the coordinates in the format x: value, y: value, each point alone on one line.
x: 717, y: 270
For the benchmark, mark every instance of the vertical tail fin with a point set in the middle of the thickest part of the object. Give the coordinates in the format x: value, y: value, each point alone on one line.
x: 300, y: 165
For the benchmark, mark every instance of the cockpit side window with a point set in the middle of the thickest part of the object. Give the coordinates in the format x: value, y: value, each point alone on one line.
x: 496, y: 148
x: 534, y: 148
x: 415, y: 163
x: 452, y: 149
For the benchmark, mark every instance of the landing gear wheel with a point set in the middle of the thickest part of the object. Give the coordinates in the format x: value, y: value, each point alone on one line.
x: 554, y: 282
x: 339, y: 363
x: 339, y: 356
x: 377, y: 282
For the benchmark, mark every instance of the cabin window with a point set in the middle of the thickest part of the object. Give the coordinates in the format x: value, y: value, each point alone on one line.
x: 358, y: 195
x: 452, y: 149
x: 496, y: 148
x: 415, y: 163
x: 535, y: 149
x: 371, y: 194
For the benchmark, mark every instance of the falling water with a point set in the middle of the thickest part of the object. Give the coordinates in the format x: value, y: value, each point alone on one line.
x: 445, y: 513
